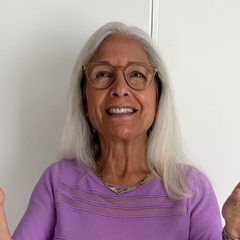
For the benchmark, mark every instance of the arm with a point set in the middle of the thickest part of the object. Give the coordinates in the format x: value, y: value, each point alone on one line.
x: 231, y: 213
x: 4, y: 232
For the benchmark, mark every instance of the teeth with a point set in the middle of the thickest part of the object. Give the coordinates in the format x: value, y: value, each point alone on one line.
x: 120, y: 110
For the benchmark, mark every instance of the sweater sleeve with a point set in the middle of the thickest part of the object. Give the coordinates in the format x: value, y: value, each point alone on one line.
x: 205, y: 220
x: 39, y: 220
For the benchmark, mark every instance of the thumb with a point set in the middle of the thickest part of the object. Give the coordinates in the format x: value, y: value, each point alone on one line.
x: 2, y: 197
x: 236, y: 191
x: 231, y: 208
x: 4, y: 231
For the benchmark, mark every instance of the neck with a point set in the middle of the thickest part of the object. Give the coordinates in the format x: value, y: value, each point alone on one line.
x: 122, y: 162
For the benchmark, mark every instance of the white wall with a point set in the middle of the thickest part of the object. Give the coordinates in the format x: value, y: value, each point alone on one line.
x: 39, y: 43
x: 200, y: 41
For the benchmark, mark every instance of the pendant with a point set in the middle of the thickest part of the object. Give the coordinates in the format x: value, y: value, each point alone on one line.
x: 121, y: 190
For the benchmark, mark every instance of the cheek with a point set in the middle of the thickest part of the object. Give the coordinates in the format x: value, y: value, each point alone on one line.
x: 91, y: 96
x: 151, y: 102
x: 94, y: 101
x: 91, y: 106
x: 90, y: 102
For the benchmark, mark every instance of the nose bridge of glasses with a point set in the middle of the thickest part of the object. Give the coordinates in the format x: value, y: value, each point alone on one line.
x: 118, y: 69
x: 120, y: 83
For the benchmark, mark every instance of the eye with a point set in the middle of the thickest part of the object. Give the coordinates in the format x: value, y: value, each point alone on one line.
x: 136, y: 74
x: 104, y: 74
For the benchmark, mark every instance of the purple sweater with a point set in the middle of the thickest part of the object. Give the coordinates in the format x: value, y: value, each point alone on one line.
x: 71, y: 203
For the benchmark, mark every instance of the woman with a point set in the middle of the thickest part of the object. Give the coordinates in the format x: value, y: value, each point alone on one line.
x: 127, y: 178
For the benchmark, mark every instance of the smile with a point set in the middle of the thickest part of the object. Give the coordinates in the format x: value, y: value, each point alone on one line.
x: 120, y: 110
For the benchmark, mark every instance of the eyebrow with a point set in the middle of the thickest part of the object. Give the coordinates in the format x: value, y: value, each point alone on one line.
x: 107, y: 62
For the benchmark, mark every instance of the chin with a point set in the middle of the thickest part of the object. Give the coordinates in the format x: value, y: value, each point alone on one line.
x: 127, y: 134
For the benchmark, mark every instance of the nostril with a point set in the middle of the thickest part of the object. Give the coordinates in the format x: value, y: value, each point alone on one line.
x: 118, y: 95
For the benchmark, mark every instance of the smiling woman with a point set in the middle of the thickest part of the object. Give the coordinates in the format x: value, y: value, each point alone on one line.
x: 124, y: 174
x: 103, y: 104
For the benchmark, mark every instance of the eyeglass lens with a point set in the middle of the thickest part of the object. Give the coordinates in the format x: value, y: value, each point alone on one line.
x: 137, y: 75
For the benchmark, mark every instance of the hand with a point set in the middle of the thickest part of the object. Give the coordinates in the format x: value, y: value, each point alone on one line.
x: 4, y: 232
x: 231, y: 213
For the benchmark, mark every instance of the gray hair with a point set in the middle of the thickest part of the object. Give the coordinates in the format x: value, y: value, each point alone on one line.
x: 163, y: 147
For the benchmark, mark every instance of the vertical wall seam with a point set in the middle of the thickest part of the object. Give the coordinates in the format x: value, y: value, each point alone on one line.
x: 155, y: 17
x: 151, y: 19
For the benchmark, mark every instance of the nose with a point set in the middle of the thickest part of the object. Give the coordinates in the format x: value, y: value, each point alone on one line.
x: 119, y: 87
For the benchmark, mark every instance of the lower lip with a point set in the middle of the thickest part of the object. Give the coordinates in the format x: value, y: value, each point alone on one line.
x: 120, y: 114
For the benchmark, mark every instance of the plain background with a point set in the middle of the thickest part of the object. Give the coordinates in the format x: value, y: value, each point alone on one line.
x: 39, y: 43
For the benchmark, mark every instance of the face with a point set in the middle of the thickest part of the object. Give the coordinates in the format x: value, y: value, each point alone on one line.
x: 120, y: 112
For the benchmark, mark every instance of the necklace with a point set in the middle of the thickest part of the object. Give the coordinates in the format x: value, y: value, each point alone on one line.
x: 121, y: 190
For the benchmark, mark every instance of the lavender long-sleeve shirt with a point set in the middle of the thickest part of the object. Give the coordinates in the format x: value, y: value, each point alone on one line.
x: 71, y: 203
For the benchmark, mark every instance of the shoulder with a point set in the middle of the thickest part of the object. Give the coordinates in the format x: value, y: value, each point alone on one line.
x: 195, y: 180
x: 64, y: 170
x: 200, y: 188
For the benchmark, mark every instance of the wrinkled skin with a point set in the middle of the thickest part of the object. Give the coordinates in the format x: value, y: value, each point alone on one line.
x: 231, y: 213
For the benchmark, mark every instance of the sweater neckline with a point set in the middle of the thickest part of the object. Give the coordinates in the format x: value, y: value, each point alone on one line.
x: 99, y: 181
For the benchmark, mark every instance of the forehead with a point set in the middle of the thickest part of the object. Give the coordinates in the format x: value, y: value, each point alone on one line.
x: 120, y: 50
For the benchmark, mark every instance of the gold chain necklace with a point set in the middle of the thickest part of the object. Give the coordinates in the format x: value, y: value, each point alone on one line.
x: 121, y: 190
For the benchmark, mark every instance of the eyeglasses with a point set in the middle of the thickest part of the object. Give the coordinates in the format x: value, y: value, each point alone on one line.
x: 137, y: 75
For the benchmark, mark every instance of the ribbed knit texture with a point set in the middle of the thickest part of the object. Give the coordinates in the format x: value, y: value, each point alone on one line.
x: 71, y: 203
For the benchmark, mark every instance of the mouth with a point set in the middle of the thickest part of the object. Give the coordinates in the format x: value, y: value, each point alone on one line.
x: 120, y: 110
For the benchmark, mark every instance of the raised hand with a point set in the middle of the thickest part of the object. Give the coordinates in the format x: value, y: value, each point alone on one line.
x: 231, y: 213
x: 4, y: 232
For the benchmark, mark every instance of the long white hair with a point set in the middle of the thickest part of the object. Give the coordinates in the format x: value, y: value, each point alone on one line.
x: 163, y: 146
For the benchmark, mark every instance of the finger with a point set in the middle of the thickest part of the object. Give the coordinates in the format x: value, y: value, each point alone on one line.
x: 2, y: 197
